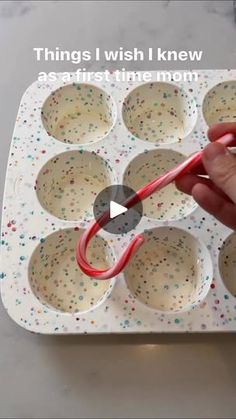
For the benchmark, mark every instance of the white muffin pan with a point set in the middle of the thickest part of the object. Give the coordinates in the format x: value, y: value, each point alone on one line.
x: 70, y: 142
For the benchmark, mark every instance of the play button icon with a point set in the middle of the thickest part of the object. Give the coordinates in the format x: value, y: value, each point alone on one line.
x: 114, y: 201
x: 116, y: 209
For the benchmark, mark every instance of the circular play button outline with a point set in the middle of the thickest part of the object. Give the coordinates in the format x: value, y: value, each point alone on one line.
x: 112, y: 200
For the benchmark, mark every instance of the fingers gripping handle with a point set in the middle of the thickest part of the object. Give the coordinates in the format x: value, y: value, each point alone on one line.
x: 154, y: 186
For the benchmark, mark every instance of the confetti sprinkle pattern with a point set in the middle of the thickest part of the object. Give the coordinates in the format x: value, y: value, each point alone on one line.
x: 54, y: 173
x: 227, y: 263
x: 69, y: 183
x: 56, y: 279
x: 169, y: 203
x: 220, y: 104
x: 78, y: 114
x: 159, y: 112
x: 171, y: 272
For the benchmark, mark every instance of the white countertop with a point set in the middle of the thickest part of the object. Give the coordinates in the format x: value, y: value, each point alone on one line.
x: 110, y: 376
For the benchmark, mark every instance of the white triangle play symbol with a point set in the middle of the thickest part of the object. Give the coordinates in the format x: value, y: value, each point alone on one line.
x: 116, y: 209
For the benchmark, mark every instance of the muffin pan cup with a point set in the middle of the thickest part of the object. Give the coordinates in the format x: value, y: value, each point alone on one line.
x: 97, y: 133
x: 68, y: 183
x: 56, y: 280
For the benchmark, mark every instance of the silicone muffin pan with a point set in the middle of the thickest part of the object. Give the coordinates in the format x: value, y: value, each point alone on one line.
x: 72, y: 140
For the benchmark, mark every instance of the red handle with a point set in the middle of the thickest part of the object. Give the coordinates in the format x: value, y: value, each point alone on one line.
x: 143, y: 193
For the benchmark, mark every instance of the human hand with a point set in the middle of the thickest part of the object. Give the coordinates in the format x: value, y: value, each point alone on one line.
x: 217, y: 193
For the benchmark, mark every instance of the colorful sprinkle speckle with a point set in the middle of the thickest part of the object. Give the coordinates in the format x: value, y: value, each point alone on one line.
x: 159, y: 113
x: 72, y: 140
x: 169, y: 203
x: 78, y: 114
x: 55, y: 277
x: 227, y: 264
x: 220, y: 103
x: 171, y: 272
x: 69, y: 183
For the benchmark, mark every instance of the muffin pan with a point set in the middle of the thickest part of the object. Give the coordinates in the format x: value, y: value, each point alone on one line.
x: 56, y: 279
x: 169, y: 203
x: 68, y: 183
x: 171, y: 272
x: 71, y: 141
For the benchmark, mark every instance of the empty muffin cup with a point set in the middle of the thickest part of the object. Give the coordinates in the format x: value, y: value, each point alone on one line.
x: 169, y: 203
x: 68, y: 184
x: 219, y: 104
x: 56, y: 279
x: 78, y: 114
x: 159, y: 113
x: 227, y: 263
x: 171, y: 272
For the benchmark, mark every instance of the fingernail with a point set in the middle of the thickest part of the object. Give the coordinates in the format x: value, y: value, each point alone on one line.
x: 214, y: 150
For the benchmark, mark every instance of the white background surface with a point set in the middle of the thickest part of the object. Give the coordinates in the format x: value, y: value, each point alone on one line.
x: 110, y: 376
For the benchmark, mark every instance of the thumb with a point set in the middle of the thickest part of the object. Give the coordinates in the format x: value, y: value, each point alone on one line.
x: 220, y: 165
